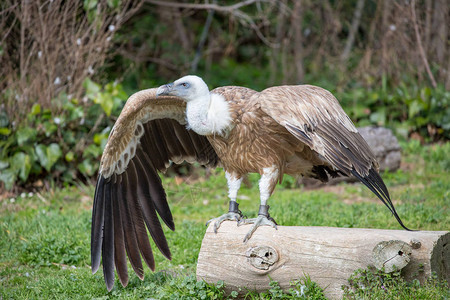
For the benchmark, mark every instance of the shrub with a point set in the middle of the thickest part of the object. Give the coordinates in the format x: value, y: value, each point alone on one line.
x: 62, y: 147
x: 407, y: 109
x: 50, y: 47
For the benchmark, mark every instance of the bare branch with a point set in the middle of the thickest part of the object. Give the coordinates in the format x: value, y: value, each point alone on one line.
x: 231, y: 9
x: 205, y: 6
x: 353, y: 28
x: 49, y: 47
x: 202, y: 41
x: 419, y: 44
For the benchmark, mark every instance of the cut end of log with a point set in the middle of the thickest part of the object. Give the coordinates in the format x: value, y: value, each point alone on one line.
x: 391, y: 255
x: 440, y: 257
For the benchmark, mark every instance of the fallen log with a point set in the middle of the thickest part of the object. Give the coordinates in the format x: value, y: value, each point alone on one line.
x: 328, y: 255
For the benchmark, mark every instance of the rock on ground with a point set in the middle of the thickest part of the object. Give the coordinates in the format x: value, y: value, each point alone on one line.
x: 384, y: 145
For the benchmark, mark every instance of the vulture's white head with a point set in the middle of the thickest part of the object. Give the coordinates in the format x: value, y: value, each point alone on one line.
x: 206, y: 113
x: 189, y: 88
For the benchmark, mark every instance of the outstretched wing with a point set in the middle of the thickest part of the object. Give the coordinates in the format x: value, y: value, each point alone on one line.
x: 313, y: 115
x: 147, y: 136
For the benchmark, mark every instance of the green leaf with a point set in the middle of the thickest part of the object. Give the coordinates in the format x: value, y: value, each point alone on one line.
x: 69, y: 156
x: 92, y: 151
x: 100, y: 139
x: 5, y: 131
x: 26, y: 134
x: 113, y: 3
x: 90, y: 4
x: 414, y: 108
x: 92, y: 88
x: 8, y: 177
x: 106, y: 102
x: 3, y: 164
x: 50, y: 128
x: 41, y: 152
x: 87, y: 167
x: 76, y: 113
x: 36, y: 109
x: 21, y: 163
x: 379, y: 117
x: 4, y: 120
x: 53, y: 153
x: 48, y: 156
x: 425, y: 93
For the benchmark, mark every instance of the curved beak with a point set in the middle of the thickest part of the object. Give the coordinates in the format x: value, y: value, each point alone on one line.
x: 165, y: 90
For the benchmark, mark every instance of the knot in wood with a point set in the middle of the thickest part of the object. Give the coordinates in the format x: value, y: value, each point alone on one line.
x: 262, y: 257
x: 415, y: 243
x: 391, y: 255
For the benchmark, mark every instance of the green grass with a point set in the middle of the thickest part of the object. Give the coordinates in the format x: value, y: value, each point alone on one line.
x: 45, y: 246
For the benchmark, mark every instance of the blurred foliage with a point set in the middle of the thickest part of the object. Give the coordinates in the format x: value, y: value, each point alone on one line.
x: 63, y: 147
x: 61, y: 138
x: 68, y: 146
x: 407, y: 110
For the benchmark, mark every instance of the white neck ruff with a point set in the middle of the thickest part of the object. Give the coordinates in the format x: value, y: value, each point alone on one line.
x: 209, y: 115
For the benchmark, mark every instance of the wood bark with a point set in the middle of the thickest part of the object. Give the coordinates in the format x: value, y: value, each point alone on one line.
x: 328, y: 255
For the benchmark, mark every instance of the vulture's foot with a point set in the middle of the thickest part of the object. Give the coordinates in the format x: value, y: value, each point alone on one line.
x: 233, y: 214
x: 263, y: 219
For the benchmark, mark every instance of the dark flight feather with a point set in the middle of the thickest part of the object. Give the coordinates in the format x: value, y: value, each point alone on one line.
x: 130, y: 215
x: 120, y: 256
x: 108, y: 238
x: 97, y: 224
x: 152, y: 183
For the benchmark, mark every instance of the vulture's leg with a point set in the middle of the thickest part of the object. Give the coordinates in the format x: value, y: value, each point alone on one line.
x: 234, y: 214
x: 267, y: 184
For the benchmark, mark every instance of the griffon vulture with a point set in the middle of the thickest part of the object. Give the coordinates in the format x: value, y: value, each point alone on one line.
x: 297, y: 130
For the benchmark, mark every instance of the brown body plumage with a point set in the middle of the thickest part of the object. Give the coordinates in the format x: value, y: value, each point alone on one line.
x: 298, y: 130
x: 257, y: 140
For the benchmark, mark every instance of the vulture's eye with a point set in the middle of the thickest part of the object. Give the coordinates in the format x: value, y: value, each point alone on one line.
x: 185, y: 85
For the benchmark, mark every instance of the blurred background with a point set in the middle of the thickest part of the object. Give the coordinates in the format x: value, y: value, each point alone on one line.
x: 67, y: 67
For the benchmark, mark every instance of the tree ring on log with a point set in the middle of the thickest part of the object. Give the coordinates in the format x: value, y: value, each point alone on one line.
x: 391, y: 255
x: 262, y: 257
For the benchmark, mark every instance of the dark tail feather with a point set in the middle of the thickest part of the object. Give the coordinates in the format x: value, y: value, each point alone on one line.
x: 374, y: 182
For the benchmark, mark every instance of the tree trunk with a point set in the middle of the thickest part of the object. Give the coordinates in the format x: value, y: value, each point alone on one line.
x: 275, y: 56
x: 296, y: 23
x: 351, y: 35
x: 328, y: 255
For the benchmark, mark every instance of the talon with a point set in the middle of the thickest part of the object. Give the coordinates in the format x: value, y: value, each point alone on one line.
x: 259, y: 221
x: 229, y: 216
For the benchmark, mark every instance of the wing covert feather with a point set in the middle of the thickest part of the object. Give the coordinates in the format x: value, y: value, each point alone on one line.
x: 315, y: 117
